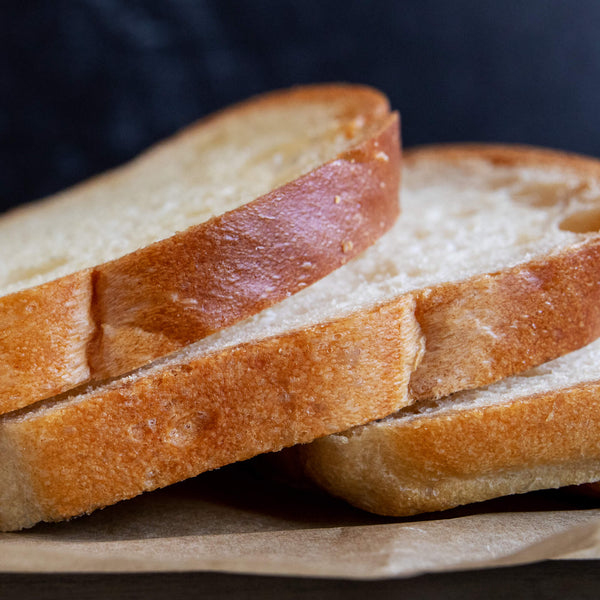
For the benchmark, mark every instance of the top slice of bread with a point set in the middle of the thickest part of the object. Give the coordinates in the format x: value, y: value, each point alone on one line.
x: 226, y: 218
x: 490, y: 270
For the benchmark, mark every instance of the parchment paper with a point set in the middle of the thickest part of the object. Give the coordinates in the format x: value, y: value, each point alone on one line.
x: 236, y: 520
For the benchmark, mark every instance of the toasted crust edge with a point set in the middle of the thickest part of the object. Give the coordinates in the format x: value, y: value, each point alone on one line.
x: 495, y: 325
x: 506, y: 154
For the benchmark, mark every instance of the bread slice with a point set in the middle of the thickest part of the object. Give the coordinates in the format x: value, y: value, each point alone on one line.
x: 533, y: 431
x: 226, y: 218
x: 480, y: 208
x: 482, y: 267
x: 215, y: 403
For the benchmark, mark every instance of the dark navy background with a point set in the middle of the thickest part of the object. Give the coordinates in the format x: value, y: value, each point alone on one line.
x: 87, y: 84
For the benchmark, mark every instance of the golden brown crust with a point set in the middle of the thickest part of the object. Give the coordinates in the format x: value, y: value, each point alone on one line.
x: 162, y: 297
x: 457, y: 457
x: 44, y: 334
x: 239, y: 263
x: 362, y: 101
x: 490, y: 326
x: 178, y: 421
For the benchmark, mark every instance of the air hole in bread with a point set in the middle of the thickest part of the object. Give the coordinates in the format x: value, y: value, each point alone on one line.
x: 33, y: 271
x: 584, y: 221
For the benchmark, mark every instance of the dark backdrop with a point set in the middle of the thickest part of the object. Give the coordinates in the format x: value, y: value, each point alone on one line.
x: 86, y: 84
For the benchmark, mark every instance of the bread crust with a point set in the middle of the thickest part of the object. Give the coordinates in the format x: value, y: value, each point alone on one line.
x: 109, y: 319
x: 172, y: 423
x: 494, y: 325
x: 438, y: 461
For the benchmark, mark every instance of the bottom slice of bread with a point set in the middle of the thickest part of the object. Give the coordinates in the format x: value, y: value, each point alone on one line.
x: 538, y: 430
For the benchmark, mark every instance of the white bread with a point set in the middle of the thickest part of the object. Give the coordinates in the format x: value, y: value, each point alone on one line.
x: 226, y: 218
x: 527, y: 432
x: 534, y: 431
x: 211, y: 405
x: 477, y: 270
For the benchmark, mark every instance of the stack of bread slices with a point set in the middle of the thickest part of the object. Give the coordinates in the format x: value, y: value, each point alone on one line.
x: 248, y: 286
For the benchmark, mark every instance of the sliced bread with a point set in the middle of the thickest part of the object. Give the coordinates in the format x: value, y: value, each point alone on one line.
x: 487, y: 273
x: 534, y: 431
x: 226, y: 218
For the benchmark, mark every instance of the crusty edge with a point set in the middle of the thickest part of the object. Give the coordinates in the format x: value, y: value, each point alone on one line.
x: 493, y: 325
x: 158, y: 299
x: 84, y: 452
x: 171, y: 294
x: 436, y: 462
x: 44, y: 335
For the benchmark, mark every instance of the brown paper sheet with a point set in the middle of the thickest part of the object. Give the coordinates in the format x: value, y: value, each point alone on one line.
x: 235, y: 520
